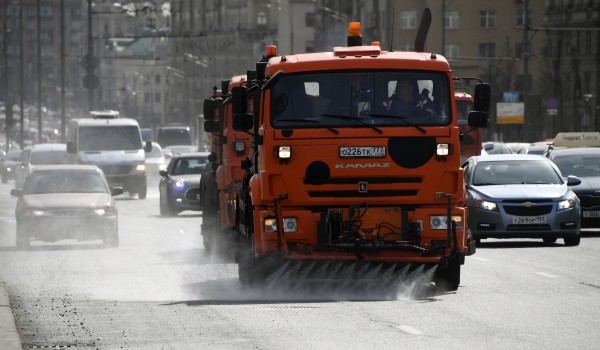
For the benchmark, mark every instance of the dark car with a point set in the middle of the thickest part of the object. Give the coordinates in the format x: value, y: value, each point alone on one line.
x: 174, y: 135
x: 179, y: 185
x: 521, y: 196
x: 583, y: 162
x: 9, y: 164
x: 66, y: 201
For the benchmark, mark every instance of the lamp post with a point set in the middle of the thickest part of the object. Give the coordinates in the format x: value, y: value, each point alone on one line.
x: 152, y: 118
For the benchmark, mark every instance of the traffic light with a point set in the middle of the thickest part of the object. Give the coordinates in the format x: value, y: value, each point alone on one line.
x: 89, y: 64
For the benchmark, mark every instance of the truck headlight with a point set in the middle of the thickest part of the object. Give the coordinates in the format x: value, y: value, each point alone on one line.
x: 440, y: 222
x: 284, y: 152
x: 289, y: 225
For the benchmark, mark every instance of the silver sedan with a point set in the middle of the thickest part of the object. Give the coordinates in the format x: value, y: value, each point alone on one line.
x: 521, y: 196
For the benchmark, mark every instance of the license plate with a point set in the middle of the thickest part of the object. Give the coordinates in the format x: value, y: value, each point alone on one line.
x: 591, y: 214
x: 528, y: 220
x: 362, y: 152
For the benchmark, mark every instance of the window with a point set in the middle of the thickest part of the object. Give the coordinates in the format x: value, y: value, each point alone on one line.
x: 520, y: 16
x: 408, y: 20
x: 487, y: 19
x: 261, y: 19
x: 519, y: 50
x: 487, y: 50
x: 157, y: 97
x: 452, y: 51
x: 310, y: 19
x: 451, y: 20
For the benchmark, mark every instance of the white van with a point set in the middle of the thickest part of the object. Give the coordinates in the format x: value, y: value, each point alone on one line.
x: 113, y: 144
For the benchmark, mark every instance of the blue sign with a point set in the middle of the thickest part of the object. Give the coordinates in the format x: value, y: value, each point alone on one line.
x: 510, y: 96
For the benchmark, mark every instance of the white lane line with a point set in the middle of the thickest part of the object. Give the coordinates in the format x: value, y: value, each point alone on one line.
x: 409, y: 330
x: 476, y: 258
x: 545, y: 274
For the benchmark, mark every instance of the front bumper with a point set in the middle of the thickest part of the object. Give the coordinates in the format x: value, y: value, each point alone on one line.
x: 186, y: 199
x: 53, y: 228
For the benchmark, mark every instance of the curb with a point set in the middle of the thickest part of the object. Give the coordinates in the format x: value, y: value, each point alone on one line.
x: 9, y: 338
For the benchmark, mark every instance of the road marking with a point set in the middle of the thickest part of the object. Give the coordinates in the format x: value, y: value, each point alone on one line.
x: 409, y: 330
x: 480, y: 259
x: 545, y: 274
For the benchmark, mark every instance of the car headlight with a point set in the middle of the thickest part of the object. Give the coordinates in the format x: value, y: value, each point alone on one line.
x: 440, y: 222
x: 140, y: 167
x: 36, y: 212
x: 566, y: 204
x: 108, y: 211
x: 178, y: 184
x: 485, y: 205
x: 289, y: 225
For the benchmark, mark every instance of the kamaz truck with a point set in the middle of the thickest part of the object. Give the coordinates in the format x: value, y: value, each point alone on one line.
x: 354, y: 164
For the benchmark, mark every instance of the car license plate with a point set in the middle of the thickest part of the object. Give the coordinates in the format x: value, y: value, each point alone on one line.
x: 362, y: 152
x: 528, y: 220
x: 591, y: 214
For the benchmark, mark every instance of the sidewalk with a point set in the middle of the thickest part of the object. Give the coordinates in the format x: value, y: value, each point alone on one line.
x: 9, y: 338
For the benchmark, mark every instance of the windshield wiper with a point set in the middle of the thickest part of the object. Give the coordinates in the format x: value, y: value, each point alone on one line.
x: 311, y: 120
x: 360, y: 120
x: 400, y: 118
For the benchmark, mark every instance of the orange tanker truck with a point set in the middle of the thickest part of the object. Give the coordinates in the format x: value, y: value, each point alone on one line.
x: 228, y: 149
x: 354, y: 164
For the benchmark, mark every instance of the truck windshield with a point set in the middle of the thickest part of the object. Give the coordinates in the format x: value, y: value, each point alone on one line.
x: 110, y: 138
x: 382, y: 98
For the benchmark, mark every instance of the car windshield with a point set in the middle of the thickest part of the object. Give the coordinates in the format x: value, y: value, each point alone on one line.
x: 110, y: 138
x: 186, y: 166
x: 351, y: 99
x: 581, y: 165
x: 64, y: 181
x: 515, y: 172
x: 48, y: 157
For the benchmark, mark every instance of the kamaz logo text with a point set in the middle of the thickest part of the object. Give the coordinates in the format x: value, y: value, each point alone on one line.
x: 361, y: 166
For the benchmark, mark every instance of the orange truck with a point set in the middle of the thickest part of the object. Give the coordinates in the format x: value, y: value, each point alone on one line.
x: 228, y: 149
x: 355, y: 164
x: 470, y: 138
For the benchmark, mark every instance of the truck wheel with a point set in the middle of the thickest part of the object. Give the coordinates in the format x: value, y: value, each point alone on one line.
x: 142, y: 193
x: 22, y: 239
x: 448, y: 278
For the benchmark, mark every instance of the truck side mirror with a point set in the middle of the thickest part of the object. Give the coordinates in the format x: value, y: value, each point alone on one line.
x: 478, y: 119
x: 209, y: 109
x: 239, y: 100
x: 211, y: 126
x: 243, y: 122
x: 482, y: 97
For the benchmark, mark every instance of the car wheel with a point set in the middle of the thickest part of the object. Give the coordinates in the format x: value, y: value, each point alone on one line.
x: 142, y: 193
x: 572, y: 241
x: 550, y: 240
x: 22, y: 239
x: 448, y: 278
x: 111, y: 240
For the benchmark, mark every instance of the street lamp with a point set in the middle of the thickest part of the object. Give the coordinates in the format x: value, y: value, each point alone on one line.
x: 587, y: 99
